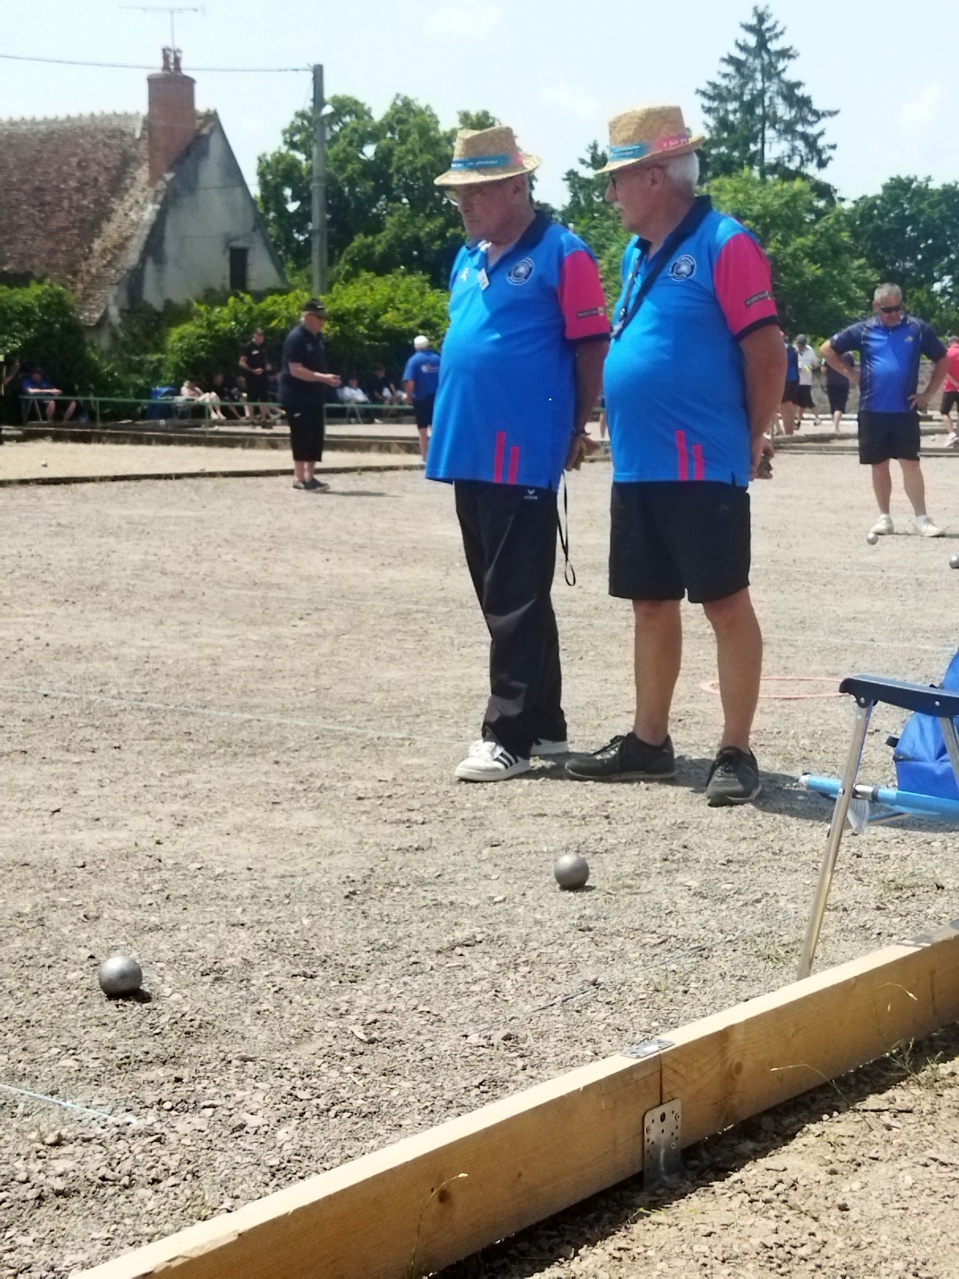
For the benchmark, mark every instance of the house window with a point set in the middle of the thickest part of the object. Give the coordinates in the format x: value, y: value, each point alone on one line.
x: 239, y: 270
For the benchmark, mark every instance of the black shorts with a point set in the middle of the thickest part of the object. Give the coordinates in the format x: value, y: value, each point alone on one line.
x: 307, y: 427
x: 886, y: 435
x: 672, y: 538
x: 423, y: 411
x: 789, y: 393
x: 838, y: 397
x: 803, y: 396
x: 950, y: 400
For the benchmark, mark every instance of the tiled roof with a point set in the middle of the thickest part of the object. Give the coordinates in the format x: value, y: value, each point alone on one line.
x: 75, y: 202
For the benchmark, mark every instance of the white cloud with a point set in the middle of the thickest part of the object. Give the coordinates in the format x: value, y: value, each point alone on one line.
x: 921, y: 113
x: 573, y: 101
x: 464, y: 19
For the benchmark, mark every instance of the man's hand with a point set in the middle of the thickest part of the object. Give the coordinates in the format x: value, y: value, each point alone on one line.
x: 920, y: 400
x: 763, y: 454
x: 331, y: 379
x: 581, y: 448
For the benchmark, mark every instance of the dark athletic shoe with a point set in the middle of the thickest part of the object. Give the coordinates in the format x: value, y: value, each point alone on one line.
x: 733, y: 778
x: 316, y: 486
x: 625, y: 759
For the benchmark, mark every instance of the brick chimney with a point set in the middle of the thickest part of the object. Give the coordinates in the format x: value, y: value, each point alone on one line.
x: 171, y: 115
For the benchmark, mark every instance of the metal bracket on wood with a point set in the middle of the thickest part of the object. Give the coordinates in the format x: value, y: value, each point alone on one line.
x: 648, y: 1048
x: 662, y: 1143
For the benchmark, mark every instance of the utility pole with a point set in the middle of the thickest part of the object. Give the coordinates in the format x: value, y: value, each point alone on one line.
x: 318, y: 211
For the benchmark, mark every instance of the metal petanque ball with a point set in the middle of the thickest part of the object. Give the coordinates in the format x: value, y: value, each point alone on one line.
x: 872, y: 538
x: 120, y: 975
x: 571, y: 870
x: 954, y: 561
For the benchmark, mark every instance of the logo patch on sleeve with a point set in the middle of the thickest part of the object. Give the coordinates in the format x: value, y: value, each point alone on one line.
x: 765, y: 296
x: 585, y: 315
x: 684, y: 268
x: 521, y: 272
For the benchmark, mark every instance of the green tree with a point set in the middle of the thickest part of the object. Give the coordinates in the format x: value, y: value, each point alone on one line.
x: 820, y: 279
x: 909, y: 235
x: 39, y: 325
x: 384, y: 212
x: 372, y: 319
x: 757, y: 117
x: 595, y: 221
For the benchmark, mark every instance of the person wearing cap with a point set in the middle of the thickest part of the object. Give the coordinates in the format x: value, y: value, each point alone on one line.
x: 693, y: 379
x: 420, y: 380
x: 891, y: 345
x: 304, y: 379
x: 521, y: 373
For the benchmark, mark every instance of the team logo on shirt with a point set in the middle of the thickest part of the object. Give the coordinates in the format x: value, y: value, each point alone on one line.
x: 684, y: 268
x: 521, y: 272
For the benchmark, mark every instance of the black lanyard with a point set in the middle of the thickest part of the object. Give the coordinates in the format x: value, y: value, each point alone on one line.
x: 689, y: 224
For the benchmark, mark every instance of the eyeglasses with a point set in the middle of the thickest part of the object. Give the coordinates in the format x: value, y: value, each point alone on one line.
x: 891, y: 310
x: 478, y: 190
x: 637, y: 168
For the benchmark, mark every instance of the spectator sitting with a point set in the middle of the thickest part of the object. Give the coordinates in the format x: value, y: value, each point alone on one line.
x: 352, y: 395
x: 228, y: 396
x: 190, y: 391
x: 37, y: 384
x: 382, y: 390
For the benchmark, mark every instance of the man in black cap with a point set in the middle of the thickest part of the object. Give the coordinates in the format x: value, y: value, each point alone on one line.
x: 303, y: 382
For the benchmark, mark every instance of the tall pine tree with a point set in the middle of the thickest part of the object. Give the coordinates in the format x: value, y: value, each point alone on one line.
x: 756, y: 117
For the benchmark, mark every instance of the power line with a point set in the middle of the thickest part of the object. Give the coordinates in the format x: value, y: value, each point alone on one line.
x: 134, y: 66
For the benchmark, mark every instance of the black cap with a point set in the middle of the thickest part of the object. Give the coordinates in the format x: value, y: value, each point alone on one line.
x: 314, y: 308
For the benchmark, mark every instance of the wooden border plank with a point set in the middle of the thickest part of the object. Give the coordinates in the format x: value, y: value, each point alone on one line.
x: 429, y: 1200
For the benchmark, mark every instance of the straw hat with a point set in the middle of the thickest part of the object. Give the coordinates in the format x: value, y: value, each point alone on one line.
x: 648, y: 133
x: 483, y: 155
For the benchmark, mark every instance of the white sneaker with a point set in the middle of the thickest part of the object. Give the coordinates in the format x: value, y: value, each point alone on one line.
x: 546, y: 747
x: 487, y: 761
x: 883, y: 526
x: 926, y: 528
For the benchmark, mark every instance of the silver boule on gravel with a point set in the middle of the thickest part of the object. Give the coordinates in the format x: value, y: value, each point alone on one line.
x: 120, y: 975
x: 954, y: 561
x: 571, y: 870
x: 872, y: 538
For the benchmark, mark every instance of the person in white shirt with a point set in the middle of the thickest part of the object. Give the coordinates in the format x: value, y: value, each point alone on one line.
x: 808, y: 363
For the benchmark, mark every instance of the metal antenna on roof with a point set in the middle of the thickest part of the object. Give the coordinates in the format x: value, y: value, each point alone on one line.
x: 163, y: 8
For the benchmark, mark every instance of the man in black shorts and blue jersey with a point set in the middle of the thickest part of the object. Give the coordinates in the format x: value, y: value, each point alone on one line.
x: 891, y: 345
x: 303, y: 382
x: 693, y: 380
x: 420, y: 379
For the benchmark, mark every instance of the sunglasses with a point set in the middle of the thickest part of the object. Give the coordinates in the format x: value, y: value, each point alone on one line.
x: 638, y: 168
x: 475, y: 191
x: 891, y: 310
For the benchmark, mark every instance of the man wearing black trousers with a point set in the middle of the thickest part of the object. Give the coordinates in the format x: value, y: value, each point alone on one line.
x: 520, y: 375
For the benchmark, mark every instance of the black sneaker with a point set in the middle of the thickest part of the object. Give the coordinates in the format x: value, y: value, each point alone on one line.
x: 733, y: 778
x: 316, y: 486
x: 625, y: 759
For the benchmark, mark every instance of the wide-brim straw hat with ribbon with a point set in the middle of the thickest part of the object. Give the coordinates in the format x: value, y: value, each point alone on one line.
x: 483, y: 155
x: 648, y: 133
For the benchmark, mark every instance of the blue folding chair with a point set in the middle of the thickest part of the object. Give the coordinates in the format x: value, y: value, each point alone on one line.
x: 937, y: 708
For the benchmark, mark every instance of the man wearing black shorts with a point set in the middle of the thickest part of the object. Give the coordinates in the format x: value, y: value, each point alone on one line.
x: 890, y: 347
x: 256, y: 375
x: 303, y: 382
x: 950, y: 391
x: 420, y: 380
x: 837, y: 389
x: 680, y: 504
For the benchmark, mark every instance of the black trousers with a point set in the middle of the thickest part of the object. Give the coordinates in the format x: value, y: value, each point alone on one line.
x: 509, y: 535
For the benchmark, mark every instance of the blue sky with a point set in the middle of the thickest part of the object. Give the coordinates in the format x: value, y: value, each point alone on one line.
x: 553, y: 69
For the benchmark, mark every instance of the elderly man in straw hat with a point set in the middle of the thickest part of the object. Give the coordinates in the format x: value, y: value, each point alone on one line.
x: 521, y: 373
x: 693, y: 380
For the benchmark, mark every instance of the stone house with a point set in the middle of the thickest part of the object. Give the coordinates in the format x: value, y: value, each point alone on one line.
x: 125, y: 209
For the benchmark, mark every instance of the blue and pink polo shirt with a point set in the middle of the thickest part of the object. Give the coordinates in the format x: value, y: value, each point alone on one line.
x: 675, y: 380
x: 506, y: 405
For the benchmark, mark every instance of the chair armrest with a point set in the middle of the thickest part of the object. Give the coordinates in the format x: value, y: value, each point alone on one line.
x: 940, y: 703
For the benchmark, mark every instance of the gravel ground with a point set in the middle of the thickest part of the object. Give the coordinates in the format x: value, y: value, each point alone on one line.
x: 231, y: 714
x: 49, y: 459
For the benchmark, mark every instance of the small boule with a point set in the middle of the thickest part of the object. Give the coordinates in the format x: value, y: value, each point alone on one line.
x: 120, y: 975
x: 571, y: 870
